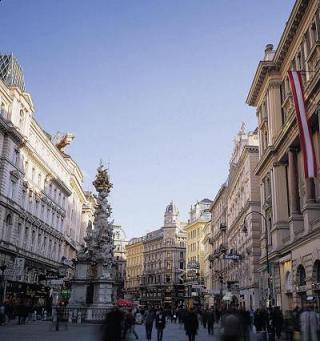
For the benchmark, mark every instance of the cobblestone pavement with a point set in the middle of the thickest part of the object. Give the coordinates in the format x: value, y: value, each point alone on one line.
x: 44, y: 331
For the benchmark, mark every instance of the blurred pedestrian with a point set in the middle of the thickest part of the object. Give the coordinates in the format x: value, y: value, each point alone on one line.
x: 149, y: 318
x: 191, y: 324
x: 204, y: 317
x: 130, y: 325
x: 160, y: 324
x: 210, y: 321
x: 277, y: 321
x: 2, y: 314
x: 113, y: 327
x: 231, y: 326
x: 309, y: 324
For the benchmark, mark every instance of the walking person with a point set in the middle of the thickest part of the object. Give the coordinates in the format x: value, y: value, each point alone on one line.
x: 149, y: 318
x: 231, y: 326
x: 160, y: 324
x: 210, y: 321
x: 113, y: 327
x: 191, y: 324
x: 130, y: 325
x: 204, y: 318
x: 309, y: 324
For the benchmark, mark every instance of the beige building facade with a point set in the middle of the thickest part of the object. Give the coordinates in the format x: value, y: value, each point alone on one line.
x: 198, y: 219
x: 243, y: 203
x: 134, y: 267
x: 289, y: 201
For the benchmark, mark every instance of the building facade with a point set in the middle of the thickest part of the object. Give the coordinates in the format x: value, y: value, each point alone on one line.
x: 134, y: 268
x: 164, y: 252
x: 198, y: 218
x: 40, y: 195
x: 120, y: 242
x: 289, y: 200
x: 243, y: 207
x: 216, y: 244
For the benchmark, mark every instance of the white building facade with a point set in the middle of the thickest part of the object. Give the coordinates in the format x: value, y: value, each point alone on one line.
x: 41, y: 197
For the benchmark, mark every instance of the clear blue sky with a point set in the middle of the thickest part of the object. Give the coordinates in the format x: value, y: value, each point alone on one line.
x: 155, y: 87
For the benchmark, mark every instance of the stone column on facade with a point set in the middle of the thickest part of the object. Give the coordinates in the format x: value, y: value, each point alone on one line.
x: 311, y: 208
x: 280, y: 204
x: 293, y: 182
x: 296, y: 219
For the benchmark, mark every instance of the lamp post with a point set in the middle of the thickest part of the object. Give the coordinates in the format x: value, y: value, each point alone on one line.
x: 245, y: 230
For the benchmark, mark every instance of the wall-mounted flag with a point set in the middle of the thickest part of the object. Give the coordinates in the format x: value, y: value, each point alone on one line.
x: 310, y: 168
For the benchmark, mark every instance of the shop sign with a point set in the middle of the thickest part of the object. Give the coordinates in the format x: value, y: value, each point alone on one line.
x: 232, y: 257
x: 55, y: 282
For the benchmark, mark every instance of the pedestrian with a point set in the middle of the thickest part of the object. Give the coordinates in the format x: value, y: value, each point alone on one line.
x: 204, y: 316
x: 2, y: 314
x: 160, y: 324
x: 113, y: 327
x: 288, y: 325
x: 149, y: 318
x: 309, y: 324
x: 130, y: 325
x: 211, y: 319
x: 191, y: 324
x: 231, y: 326
x: 62, y: 317
x: 277, y: 321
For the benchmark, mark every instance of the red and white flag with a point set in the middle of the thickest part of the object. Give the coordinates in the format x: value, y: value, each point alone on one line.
x: 310, y: 167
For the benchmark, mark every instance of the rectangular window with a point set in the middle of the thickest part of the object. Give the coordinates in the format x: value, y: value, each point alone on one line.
x: 13, y: 190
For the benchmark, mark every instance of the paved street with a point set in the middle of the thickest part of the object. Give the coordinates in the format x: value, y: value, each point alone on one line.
x: 43, y: 331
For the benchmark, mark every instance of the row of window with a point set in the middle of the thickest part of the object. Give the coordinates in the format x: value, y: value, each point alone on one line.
x: 31, y: 239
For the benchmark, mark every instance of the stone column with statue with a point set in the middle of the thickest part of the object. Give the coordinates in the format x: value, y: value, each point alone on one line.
x: 93, y: 282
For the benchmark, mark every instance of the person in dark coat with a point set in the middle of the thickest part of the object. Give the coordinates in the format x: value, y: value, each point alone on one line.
x: 204, y: 318
x: 277, y: 321
x: 210, y: 321
x: 231, y: 326
x: 160, y: 324
x: 191, y: 324
x: 149, y: 318
x: 113, y: 325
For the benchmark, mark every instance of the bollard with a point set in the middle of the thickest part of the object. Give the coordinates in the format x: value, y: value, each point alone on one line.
x: 45, y: 315
x: 34, y: 316
x: 79, y: 317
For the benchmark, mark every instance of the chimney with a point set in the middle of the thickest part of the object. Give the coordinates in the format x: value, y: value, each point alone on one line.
x: 269, y: 52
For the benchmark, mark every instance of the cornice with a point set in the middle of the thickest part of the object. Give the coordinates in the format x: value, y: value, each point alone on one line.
x: 265, y: 67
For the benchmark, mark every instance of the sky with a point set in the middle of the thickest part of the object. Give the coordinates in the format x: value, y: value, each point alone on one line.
x: 154, y: 88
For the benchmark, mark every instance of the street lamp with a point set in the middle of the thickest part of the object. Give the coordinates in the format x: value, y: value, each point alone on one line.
x: 245, y: 230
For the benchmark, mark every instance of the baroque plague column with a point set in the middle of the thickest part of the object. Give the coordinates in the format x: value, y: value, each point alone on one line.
x: 93, y: 283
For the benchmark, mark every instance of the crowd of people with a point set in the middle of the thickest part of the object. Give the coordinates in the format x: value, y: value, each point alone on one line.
x: 231, y: 323
x: 22, y: 311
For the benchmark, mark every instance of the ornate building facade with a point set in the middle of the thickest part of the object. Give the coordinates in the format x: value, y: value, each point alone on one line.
x: 164, y: 251
x: 134, y: 267
x: 198, y: 218
x: 289, y: 201
x: 215, y: 243
x: 120, y: 242
x: 41, y: 197
x: 243, y: 206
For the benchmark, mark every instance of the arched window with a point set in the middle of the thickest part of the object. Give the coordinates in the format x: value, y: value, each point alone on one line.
x: 301, y: 275
x: 316, y: 271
